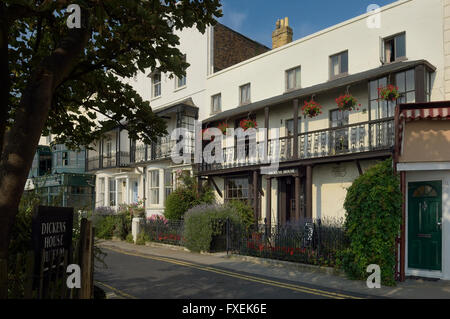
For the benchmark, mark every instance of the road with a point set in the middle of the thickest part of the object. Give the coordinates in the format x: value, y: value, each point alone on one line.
x: 132, y: 275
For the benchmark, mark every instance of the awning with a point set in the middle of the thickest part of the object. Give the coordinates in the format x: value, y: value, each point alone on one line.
x: 438, y: 113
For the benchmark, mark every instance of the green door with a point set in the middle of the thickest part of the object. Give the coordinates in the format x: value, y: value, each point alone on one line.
x: 424, y: 225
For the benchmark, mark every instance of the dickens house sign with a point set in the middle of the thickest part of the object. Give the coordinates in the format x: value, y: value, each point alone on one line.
x: 52, y: 234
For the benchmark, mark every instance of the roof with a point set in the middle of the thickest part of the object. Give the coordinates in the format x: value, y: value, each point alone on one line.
x: 187, y: 104
x: 319, y: 88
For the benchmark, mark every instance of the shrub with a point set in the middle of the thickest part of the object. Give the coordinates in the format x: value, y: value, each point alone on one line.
x: 245, y: 213
x: 373, y: 219
x: 129, y: 238
x: 142, y: 238
x: 107, y: 226
x: 185, y: 197
x: 205, y: 222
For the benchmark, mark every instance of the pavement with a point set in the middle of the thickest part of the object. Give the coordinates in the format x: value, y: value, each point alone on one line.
x: 164, y: 271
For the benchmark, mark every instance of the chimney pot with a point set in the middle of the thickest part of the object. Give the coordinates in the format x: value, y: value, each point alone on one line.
x: 282, y: 34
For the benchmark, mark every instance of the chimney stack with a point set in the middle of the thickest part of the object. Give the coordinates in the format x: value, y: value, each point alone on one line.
x: 282, y: 34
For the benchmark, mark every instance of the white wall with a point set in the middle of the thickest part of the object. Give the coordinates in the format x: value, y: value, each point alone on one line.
x: 422, y: 21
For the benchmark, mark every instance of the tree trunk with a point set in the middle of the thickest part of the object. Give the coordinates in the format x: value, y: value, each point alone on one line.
x: 22, y: 139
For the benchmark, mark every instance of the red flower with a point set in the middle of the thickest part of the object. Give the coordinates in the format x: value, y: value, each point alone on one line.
x: 311, y: 109
x: 246, y: 124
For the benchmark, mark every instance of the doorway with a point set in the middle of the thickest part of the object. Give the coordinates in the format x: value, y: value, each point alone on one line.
x: 425, y: 225
x: 286, y: 199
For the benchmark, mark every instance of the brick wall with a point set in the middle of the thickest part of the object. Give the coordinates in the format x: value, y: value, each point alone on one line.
x: 231, y: 47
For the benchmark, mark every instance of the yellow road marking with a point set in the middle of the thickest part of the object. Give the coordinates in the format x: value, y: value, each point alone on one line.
x: 298, y: 288
x: 120, y: 292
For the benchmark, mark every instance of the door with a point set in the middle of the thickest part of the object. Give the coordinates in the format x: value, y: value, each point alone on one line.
x: 134, y: 196
x: 338, y: 138
x: 425, y: 225
x: 286, y: 199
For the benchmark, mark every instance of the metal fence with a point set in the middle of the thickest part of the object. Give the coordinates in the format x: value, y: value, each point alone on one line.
x: 164, y: 231
x: 306, y: 241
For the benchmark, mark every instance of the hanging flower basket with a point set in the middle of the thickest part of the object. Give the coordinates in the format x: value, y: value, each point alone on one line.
x: 347, y: 102
x: 204, y: 132
x: 311, y: 109
x: 223, y: 127
x: 246, y: 124
x: 388, y: 93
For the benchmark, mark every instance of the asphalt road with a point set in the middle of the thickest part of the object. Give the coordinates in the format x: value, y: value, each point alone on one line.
x: 134, y: 276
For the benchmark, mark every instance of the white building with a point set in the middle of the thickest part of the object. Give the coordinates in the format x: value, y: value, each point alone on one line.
x: 405, y: 44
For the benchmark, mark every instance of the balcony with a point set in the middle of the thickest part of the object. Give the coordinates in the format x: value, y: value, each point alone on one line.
x: 332, y: 142
x: 160, y: 150
x: 119, y: 159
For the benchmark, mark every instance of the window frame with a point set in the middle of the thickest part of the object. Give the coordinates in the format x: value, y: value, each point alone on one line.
x: 154, y: 84
x: 168, y: 188
x: 296, y: 85
x: 219, y: 95
x: 183, y: 79
x: 389, y: 38
x: 330, y: 65
x: 249, y: 94
x: 227, y: 188
x: 152, y: 188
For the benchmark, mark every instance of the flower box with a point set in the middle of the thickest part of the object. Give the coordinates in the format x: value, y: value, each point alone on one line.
x: 223, y: 127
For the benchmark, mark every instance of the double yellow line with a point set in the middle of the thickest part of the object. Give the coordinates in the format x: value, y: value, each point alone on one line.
x: 264, y: 281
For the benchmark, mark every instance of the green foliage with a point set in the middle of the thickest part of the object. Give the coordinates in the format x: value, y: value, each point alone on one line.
x: 204, y: 222
x: 185, y: 197
x: 373, y: 219
x: 109, y: 226
x: 142, y: 238
x: 245, y: 213
x: 125, y: 38
x: 129, y: 238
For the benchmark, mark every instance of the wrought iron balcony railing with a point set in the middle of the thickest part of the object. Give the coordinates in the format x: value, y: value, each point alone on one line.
x: 162, y: 149
x: 349, y: 139
x: 119, y: 159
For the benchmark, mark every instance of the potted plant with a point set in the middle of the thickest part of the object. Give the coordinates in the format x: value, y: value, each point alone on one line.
x: 347, y: 102
x: 389, y: 93
x: 311, y: 109
x: 246, y: 124
x: 223, y: 127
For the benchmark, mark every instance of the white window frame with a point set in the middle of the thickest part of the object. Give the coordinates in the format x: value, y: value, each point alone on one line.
x: 383, y: 48
x: 183, y: 79
x: 241, y: 102
x: 219, y: 109
x: 330, y: 65
x: 155, y: 84
x: 153, y: 200
x: 296, y: 85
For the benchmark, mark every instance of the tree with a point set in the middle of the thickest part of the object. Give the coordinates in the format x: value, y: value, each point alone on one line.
x: 58, y: 79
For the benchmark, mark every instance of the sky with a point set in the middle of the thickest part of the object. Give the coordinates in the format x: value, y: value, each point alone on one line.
x: 256, y: 18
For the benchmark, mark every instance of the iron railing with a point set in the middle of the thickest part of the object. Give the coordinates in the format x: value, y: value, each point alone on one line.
x: 164, y: 231
x: 309, y: 241
x: 161, y: 149
x: 349, y: 139
x: 119, y: 159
